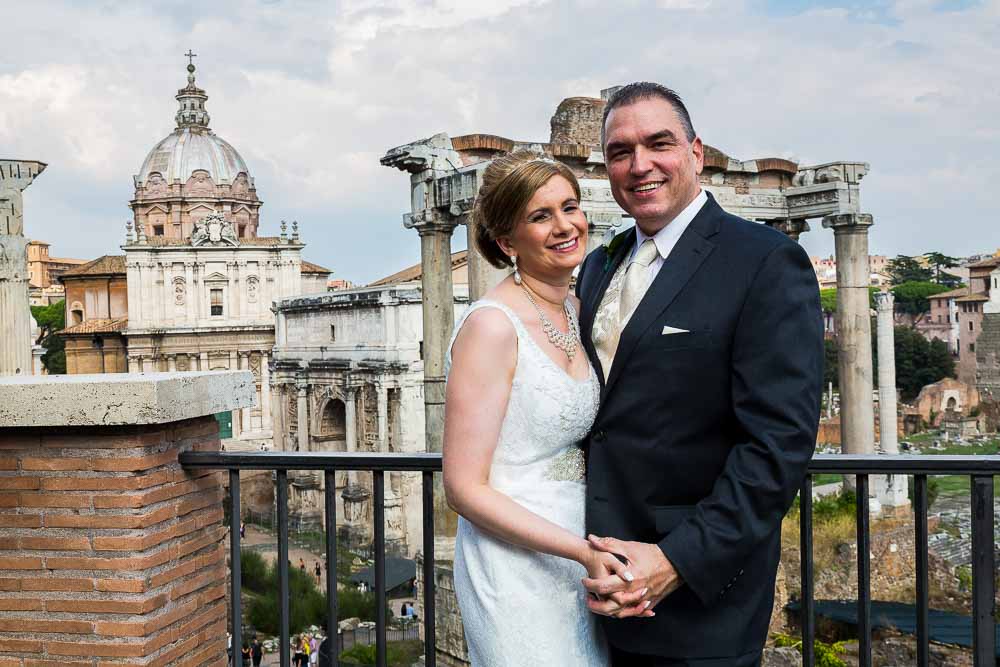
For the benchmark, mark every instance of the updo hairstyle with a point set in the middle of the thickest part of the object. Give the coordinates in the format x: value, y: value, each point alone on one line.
x: 508, y: 184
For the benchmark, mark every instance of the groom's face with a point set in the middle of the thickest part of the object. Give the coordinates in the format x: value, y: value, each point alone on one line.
x: 652, y: 166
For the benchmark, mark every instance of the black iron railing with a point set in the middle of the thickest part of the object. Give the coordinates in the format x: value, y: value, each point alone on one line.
x: 979, y: 468
x: 329, y: 463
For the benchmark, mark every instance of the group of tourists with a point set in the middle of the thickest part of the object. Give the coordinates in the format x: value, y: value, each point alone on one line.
x: 305, y: 650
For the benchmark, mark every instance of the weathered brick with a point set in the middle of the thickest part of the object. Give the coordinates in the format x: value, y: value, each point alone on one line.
x: 20, y: 520
x: 124, y: 564
x: 20, y: 563
x: 55, y: 543
x: 106, y: 440
x: 9, y: 500
x: 121, y: 585
x: 16, y: 662
x: 13, y: 483
x: 136, y: 463
x: 122, y: 521
x: 107, y: 606
x: 115, y: 649
x: 183, y: 588
x: 106, y: 483
x: 184, y: 648
x: 8, y: 585
x: 8, y: 463
x: 56, y: 463
x: 20, y: 645
x: 44, y: 625
x: 57, y: 584
x: 31, y: 662
x: 20, y: 604
x: 53, y: 500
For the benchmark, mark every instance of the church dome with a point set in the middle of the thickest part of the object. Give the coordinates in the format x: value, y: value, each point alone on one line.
x: 192, y: 146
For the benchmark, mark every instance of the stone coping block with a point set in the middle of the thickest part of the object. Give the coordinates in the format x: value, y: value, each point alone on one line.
x: 115, y: 399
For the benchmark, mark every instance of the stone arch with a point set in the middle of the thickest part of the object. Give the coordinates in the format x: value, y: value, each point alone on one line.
x: 333, y: 423
x: 76, y: 313
x: 952, y: 404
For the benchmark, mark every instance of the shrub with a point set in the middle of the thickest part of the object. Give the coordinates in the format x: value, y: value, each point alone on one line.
x: 360, y: 654
x: 307, y: 605
x: 827, y: 655
x: 253, y: 571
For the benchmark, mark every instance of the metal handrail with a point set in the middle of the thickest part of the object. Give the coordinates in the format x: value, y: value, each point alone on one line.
x: 979, y: 468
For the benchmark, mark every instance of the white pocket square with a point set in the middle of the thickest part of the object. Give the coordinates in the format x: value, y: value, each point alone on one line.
x: 672, y: 330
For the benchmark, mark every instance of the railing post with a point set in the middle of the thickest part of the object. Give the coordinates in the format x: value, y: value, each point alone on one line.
x: 378, y: 478
x: 430, y: 632
x: 920, y: 517
x: 864, y: 575
x: 283, y: 603
x: 332, y: 614
x: 806, y: 565
x: 983, y: 586
x: 236, y: 566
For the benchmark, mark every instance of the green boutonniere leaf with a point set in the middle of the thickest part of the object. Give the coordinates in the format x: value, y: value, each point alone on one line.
x: 611, y: 248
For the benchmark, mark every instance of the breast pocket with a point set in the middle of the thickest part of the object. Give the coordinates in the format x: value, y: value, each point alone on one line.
x: 689, y: 340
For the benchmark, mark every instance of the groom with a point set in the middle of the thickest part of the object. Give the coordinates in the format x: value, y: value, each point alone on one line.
x: 707, y: 333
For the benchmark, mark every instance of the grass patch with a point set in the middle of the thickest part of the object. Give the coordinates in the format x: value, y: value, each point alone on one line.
x: 833, y: 524
x: 398, y: 654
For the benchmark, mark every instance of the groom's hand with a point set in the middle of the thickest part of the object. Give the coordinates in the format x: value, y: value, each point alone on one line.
x: 654, y: 579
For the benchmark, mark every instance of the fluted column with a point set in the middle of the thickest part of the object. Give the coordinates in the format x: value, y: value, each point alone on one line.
x: 303, y: 410
x: 265, y: 391
x: 891, y: 489
x: 439, y: 320
x: 245, y: 417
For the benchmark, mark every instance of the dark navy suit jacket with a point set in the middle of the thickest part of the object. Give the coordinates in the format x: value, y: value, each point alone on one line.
x: 702, y: 438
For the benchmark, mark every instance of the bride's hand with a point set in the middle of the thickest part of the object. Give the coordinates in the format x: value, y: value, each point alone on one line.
x: 603, y: 564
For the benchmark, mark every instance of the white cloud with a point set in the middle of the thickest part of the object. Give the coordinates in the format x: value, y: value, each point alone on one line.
x: 313, y: 94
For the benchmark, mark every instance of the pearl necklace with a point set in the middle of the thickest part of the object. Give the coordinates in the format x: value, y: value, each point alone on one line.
x: 567, y: 342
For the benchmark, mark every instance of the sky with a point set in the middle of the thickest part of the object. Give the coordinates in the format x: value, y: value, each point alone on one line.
x: 312, y: 94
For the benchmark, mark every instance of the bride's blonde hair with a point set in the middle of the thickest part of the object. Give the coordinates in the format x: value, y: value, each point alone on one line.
x: 508, y: 184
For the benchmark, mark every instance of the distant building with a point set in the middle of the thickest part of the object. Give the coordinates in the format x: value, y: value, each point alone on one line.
x: 826, y: 271
x: 44, y: 271
x: 970, y: 316
x: 96, y: 316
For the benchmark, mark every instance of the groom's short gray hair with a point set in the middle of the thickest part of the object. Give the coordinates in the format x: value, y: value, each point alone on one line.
x: 644, y: 90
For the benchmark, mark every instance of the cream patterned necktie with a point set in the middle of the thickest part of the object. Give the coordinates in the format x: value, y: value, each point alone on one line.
x: 636, y: 280
x: 613, y: 314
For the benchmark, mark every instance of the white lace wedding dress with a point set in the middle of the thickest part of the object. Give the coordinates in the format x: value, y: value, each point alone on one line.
x: 521, y: 607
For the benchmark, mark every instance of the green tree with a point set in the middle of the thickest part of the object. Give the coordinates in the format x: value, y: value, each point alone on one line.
x: 939, y: 261
x: 919, y: 362
x: 828, y: 299
x: 912, y: 297
x: 906, y: 269
x: 831, y: 371
x: 50, y: 319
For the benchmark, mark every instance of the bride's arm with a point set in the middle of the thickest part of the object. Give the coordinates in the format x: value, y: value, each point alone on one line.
x: 484, y: 358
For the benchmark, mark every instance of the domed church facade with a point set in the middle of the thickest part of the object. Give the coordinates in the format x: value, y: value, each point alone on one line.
x: 200, y: 279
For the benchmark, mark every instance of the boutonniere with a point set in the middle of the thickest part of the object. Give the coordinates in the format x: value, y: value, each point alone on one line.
x: 610, y: 247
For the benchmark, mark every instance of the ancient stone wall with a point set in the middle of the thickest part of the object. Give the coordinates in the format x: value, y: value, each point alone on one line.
x: 577, y: 121
x: 109, y: 549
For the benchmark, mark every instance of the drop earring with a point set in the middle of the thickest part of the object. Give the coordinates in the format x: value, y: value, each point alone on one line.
x: 517, y: 274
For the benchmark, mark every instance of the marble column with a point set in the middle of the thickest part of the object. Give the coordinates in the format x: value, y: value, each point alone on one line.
x: 891, y: 489
x: 190, y: 316
x: 483, y: 276
x: 203, y: 361
x: 265, y: 392
x: 854, y: 336
x: 303, y: 415
x: 172, y: 363
x: 166, y: 292
x: 15, y: 307
x: 383, y: 410
x: 245, y: 419
x: 438, y: 321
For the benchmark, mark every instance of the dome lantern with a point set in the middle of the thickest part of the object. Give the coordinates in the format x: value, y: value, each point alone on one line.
x: 192, y: 99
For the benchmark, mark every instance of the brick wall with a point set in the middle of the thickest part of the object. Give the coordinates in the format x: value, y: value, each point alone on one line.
x: 110, y: 553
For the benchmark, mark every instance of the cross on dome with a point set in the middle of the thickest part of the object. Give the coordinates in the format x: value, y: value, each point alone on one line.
x: 192, y: 101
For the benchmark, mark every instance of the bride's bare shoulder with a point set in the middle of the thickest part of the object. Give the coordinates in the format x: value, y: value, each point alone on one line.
x: 486, y: 328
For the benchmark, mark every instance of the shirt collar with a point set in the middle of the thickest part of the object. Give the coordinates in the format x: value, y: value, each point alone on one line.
x: 666, y: 238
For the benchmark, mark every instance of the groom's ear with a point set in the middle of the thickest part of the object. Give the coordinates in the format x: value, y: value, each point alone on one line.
x: 698, y: 150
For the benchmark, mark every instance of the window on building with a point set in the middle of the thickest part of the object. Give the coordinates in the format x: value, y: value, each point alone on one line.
x: 939, y: 318
x: 157, y: 230
x: 76, y: 316
x: 972, y: 347
x: 333, y: 332
x: 970, y: 325
x: 216, y: 296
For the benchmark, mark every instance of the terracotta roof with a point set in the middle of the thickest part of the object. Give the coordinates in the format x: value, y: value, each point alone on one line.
x: 415, y: 272
x: 961, y: 291
x: 989, y: 262
x: 96, y: 326
x: 978, y: 296
x: 309, y: 267
x: 106, y: 265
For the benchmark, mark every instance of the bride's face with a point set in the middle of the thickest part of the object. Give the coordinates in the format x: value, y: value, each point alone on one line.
x: 550, y: 238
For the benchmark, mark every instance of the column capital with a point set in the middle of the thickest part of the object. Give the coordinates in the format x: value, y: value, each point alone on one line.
x: 884, y: 301
x: 433, y: 227
x: 848, y: 222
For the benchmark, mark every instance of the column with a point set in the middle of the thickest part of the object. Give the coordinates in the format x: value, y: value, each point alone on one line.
x: 891, y: 489
x: 303, y: 415
x: 15, y: 307
x: 147, y: 364
x: 232, y: 309
x: 383, y: 412
x: 351, y: 430
x: 439, y: 319
x: 265, y: 391
x: 167, y: 294
x: 245, y: 420
x: 203, y: 361
x: 854, y: 336
x: 279, y: 330
x: 172, y: 363
x: 132, y: 289
x: 190, y: 313
x: 483, y: 276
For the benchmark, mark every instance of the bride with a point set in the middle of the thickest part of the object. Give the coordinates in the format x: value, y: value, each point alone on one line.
x: 521, y: 394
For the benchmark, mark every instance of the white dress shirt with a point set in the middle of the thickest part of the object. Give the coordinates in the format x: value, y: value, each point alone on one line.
x: 667, y: 238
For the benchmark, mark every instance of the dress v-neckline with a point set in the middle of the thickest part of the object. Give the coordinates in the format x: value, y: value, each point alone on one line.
x: 538, y: 348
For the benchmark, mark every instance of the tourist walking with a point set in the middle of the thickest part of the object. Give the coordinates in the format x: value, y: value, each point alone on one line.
x: 256, y: 651
x: 319, y: 573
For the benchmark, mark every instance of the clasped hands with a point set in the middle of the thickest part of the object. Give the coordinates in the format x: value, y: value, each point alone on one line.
x: 629, y: 589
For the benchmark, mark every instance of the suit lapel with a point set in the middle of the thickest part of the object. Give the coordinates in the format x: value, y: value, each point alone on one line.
x: 594, y: 297
x: 691, y: 250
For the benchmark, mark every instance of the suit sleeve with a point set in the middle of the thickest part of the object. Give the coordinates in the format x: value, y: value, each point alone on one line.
x: 776, y: 384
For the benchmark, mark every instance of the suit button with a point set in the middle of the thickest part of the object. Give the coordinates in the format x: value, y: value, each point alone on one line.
x: 599, y: 436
